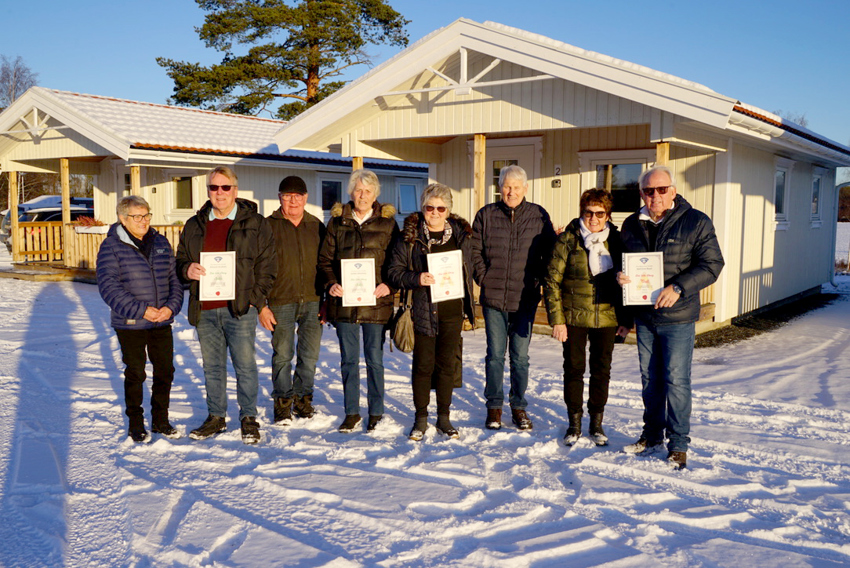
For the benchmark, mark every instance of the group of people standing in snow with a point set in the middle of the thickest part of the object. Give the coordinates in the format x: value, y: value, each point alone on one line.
x: 288, y: 276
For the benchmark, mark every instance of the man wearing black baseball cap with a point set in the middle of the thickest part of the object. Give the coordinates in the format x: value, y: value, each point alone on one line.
x: 293, y: 302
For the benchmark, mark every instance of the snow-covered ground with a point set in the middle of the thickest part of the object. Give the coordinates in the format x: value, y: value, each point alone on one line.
x: 767, y: 485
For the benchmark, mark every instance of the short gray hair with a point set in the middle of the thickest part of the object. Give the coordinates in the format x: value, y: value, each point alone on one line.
x: 515, y: 172
x: 439, y: 191
x: 124, y: 205
x: 659, y: 168
x: 366, y: 177
x: 226, y: 172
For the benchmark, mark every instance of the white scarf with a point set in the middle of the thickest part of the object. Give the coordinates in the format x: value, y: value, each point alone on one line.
x: 598, y: 258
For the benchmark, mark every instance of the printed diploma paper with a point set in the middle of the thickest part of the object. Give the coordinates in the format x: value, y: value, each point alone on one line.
x: 646, y: 271
x: 358, y: 282
x: 447, y: 268
x: 219, y: 283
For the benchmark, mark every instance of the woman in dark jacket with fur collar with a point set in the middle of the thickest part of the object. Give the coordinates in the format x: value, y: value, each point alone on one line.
x: 437, y: 325
x: 362, y: 228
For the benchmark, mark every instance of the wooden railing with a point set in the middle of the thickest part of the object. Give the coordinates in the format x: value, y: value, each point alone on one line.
x: 47, y: 242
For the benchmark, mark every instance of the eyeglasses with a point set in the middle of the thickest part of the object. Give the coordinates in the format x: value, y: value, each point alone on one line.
x: 440, y: 208
x: 648, y: 191
x: 214, y: 188
x: 599, y: 214
x: 292, y: 196
x: 140, y: 218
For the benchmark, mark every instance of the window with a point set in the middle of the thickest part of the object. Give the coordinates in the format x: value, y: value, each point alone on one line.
x: 617, y: 171
x: 622, y: 181
x: 128, y: 186
x: 409, y: 193
x: 817, y: 184
x: 781, y: 184
x: 183, y: 193
x: 331, y: 193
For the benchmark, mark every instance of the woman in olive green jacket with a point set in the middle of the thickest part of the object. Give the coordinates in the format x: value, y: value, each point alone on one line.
x: 582, y: 301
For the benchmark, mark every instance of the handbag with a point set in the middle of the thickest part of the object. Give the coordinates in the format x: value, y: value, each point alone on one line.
x: 401, y: 326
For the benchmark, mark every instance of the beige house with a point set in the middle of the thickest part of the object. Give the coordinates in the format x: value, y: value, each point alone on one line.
x: 163, y: 153
x: 471, y: 97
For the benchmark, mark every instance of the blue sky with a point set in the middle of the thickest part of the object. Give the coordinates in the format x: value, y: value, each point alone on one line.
x: 792, y: 56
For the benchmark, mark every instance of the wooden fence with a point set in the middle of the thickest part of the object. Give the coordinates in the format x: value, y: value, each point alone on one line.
x: 47, y: 242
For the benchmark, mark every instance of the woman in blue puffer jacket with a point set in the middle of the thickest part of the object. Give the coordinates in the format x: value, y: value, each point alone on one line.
x: 137, y: 278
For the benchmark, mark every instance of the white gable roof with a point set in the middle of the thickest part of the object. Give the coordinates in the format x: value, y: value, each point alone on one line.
x: 119, y: 124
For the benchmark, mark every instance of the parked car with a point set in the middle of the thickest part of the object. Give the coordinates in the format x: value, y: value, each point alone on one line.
x: 39, y: 211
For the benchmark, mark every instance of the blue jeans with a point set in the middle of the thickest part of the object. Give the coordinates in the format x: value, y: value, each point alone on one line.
x: 218, y: 331
x: 306, y: 317
x: 665, y: 353
x: 373, y: 347
x: 506, y: 329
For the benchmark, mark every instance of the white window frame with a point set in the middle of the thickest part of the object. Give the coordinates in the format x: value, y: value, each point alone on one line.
x: 418, y: 183
x: 818, y: 178
x: 781, y: 220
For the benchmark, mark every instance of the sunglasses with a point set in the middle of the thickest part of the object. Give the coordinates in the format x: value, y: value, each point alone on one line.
x: 214, y: 188
x: 439, y: 208
x: 648, y: 191
x: 599, y: 214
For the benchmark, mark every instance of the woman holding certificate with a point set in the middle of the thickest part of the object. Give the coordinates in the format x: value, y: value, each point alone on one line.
x: 353, y: 260
x: 433, y: 260
x: 582, y: 300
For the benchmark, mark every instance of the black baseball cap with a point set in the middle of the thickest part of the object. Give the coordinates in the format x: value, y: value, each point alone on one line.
x: 292, y: 184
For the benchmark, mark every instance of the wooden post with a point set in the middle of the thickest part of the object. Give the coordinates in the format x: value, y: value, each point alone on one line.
x: 65, y: 180
x: 662, y: 153
x: 135, y: 180
x: 479, y: 166
x: 13, y: 211
x: 357, y: 163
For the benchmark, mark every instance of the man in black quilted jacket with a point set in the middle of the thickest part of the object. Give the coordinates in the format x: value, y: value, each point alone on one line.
x: 665, y: 330
x: 511, y: 243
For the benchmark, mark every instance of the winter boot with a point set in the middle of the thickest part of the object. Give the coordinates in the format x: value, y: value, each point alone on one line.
x: 494, y: 419
x: 212, y: 425
x: 597, y: 434
x: 283, y: 411
x: 303, y: 406
x: 374, y: 419
x: 250, y: 430
x: 420, y: 425
x: 574, y: 429
x: 521, y: 419
x: 444, y: 426
x: 349, y: 424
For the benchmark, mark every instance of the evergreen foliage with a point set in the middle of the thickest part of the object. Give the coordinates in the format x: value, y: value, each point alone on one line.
x: 295, y: 50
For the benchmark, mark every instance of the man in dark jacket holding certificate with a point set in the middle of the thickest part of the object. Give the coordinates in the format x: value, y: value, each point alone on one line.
x: 226, y: 223
x: 665, y: 331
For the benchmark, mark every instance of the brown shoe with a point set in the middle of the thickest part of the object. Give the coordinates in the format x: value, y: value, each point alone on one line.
x: 521, y: 419
x: 350, y: 423
x: 678, y: 459
x: 494, y: 419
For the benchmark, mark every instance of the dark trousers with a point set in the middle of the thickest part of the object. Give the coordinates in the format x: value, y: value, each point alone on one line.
x: 136, y: 346
x: 601, y: 351
x: 435, y: 364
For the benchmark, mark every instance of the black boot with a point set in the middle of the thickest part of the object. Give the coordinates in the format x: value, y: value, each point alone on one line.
x: 420, y: 425
x: 444, y: 425
x: 283, y: 411
x: 596, y: 431
x: 574, y: 429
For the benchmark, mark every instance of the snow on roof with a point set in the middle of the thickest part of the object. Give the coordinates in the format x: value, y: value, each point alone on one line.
x: 171, y: 127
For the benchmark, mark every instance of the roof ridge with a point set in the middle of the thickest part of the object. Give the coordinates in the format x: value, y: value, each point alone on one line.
x: 170, y: 107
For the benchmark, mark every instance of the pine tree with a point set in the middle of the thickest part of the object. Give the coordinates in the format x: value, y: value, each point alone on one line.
x: 295, y: 50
